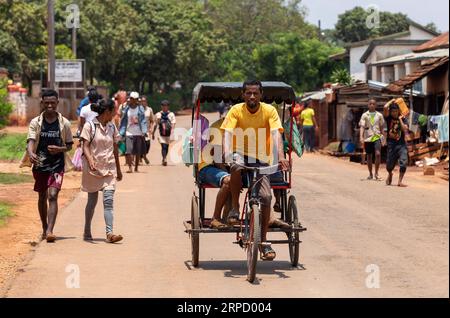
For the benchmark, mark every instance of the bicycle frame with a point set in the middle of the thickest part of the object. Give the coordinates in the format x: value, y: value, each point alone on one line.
x: 251, y: 199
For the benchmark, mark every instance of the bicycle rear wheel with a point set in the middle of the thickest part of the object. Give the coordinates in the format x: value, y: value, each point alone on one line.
x: 292, y: 219
x: 253, y: 243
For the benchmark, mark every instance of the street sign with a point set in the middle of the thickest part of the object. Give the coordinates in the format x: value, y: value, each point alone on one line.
x: 68, y: 71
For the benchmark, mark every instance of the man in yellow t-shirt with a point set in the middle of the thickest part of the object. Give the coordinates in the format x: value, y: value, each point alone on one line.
x: 253, y: 137
x: 309, y: 125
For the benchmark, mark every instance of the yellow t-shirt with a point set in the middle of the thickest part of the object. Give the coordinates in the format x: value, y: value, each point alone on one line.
x: 215, y: 141
x: 307, y: 116
x: 252, y: 132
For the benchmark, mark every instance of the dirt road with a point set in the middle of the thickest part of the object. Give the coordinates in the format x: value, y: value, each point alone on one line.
x: 351, y: 225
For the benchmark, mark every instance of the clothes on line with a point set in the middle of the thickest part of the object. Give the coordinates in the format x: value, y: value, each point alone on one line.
x: 440, y: 123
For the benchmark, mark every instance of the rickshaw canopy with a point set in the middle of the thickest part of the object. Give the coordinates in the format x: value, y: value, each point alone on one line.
x: 231, y: 92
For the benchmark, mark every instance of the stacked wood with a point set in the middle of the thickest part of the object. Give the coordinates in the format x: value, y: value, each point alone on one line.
x: 421, y: 151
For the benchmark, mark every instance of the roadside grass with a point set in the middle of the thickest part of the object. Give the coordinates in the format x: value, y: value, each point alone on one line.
x: 5, y: 212
x: 12, y: 146
x: 14, y: 178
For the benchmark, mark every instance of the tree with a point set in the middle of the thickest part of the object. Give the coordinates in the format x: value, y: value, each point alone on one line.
x: 352, y: 25
x: 433, y: 27
x: 341, y: 76
x: 9, y: 53
x: 303, y: 63
x: 5, y: 107
x: 24, y: 21
x: 176, y: 42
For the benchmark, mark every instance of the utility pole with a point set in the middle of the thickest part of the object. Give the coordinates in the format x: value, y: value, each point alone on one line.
x: 320, y: 30
x: 51, y: 42
x: 74, y: 42
x: 73, y: 92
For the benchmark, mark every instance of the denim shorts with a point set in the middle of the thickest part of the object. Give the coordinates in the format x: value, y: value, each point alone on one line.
x: 212, y: 175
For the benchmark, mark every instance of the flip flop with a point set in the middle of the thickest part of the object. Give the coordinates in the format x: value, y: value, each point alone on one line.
x: 377, y: 178
x: 216, y: 224
x: 51, y: 238
x: 267, y: 253
x: 112, y: 238
x: 280, y: 224
x: 233, y: 217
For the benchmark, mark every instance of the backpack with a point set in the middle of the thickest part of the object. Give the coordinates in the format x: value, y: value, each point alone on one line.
x: 165, y: 126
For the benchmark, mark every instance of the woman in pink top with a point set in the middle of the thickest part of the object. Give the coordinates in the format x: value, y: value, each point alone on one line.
x: 101, y: 167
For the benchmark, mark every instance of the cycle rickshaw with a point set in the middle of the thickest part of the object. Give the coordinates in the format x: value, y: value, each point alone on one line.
x: 248, y: 233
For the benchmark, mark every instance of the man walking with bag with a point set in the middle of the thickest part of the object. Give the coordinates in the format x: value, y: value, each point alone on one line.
x: 165, y: 122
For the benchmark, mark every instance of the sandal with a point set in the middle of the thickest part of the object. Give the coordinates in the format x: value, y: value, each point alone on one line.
x: 51, y: 238
x: 216, y: 224
x: 267, y: 253
x: 233, y: 217
x: 377, y: 178
x: 112, y: 238
x: 280, y: 224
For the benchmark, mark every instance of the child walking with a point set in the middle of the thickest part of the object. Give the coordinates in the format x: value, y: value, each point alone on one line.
x: 101, y: 167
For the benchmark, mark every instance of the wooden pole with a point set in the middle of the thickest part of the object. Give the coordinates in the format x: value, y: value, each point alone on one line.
x: 51, y: 42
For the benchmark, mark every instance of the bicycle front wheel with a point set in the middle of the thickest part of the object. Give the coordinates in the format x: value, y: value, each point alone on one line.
x: 253, y: 242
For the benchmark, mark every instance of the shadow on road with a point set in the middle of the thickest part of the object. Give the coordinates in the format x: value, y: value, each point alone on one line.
x: 238, y: 269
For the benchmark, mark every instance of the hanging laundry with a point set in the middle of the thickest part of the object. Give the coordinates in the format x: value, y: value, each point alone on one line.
x: 414, y: 121
x: 423, y: 120
x: 432, y: 123
x: 442, y: 122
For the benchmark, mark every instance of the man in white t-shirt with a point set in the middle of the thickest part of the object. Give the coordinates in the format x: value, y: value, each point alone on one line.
x: 165, y: 121
x: 86, y: 113
x: 133, y: 128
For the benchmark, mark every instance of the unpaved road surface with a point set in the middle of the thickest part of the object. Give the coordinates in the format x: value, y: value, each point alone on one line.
x: 352, y: 224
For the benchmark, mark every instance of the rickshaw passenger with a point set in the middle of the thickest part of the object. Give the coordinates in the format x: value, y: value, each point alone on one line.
x: 215, y: 174
x: 253, y: 115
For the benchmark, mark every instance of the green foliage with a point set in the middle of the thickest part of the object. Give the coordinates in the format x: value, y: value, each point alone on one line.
x: 352, y: 25
x: 147, y: 45
x: 304, y: 63
x: 341, y: 76
x: 24, y: 23
x: 12, y: 146
x: 433, y: 27
x: 5, y: 212
x: 14, y: 178
x: 5, y: 107
x: 9, y: 53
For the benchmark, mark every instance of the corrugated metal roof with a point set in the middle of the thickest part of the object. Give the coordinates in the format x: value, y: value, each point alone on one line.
x: 439, y: 42
x: 420, y: 73
x: 413, y: 57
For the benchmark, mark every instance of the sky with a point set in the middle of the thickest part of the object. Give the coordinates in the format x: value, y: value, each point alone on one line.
x: 420, y: 11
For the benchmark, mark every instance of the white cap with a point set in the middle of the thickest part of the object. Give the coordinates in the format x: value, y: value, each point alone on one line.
x: 134, y: 95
